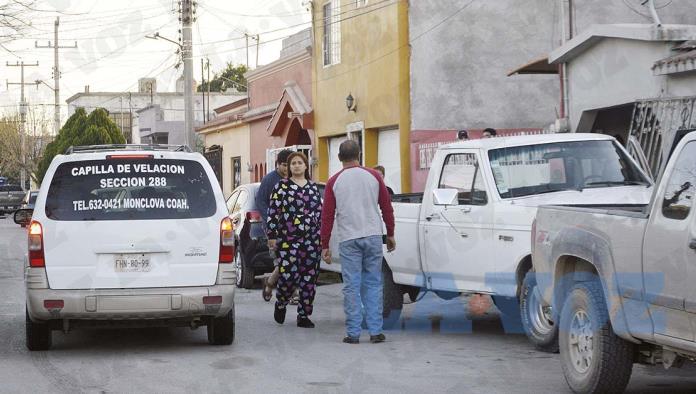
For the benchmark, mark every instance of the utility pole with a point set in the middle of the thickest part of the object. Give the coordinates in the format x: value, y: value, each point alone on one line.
x: 257, y: 51
x: 187, y: 55
x: 207, y: 64
x: 23, y: 117
x: 56, y: 74
x: 246, y: 36
x: 203, y: 90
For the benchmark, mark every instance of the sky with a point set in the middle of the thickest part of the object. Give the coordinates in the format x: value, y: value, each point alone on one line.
x: 113, y: 53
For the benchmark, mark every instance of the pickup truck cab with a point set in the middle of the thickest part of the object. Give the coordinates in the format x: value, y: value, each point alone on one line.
x: 622, y: 279
x: 11, y: 197
x: 469, y: 231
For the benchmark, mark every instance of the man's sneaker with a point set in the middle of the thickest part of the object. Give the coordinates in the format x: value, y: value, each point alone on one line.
x: 351, y: 340
x: 279, y: 314
x: 377, y: 338
x: 304, y: 322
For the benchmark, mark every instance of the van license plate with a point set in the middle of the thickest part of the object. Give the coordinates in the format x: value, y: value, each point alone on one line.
x: 132, y: 263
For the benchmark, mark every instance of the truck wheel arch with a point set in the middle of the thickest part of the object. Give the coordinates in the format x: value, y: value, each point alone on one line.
x: 572, y: 269
x: 524, y: 266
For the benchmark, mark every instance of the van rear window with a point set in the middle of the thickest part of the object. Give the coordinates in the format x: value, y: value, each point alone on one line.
x: 130, y: 189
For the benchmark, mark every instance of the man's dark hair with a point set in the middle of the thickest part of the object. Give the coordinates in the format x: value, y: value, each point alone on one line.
x: 490, y: 131
x: 462, y: 135
x: 349, y: 151
x: 283, y: 156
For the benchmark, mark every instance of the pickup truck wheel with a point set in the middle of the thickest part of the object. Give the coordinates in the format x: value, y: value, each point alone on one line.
x: 536, y: 318
x: 593, y: 358
x: 221, y: 329
x: 393, y: 298
x: 39, y: 335
x: 245, y: 275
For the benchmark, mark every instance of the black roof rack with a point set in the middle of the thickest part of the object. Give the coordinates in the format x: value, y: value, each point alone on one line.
x: 121, y: 147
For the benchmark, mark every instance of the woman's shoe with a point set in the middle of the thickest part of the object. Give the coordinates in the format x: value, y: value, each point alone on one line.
x: 267, y: 292
x: 279, y: 314
x: 304, y: 322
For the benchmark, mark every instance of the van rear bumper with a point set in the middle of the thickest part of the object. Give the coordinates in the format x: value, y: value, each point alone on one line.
x: 176, y: 304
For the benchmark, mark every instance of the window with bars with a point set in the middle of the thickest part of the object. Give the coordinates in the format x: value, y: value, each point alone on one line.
x: 360, y: 3
x: 332, y: 32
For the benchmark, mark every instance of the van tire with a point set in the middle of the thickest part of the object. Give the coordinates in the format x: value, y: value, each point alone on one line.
x: 584, y: 317
x: 540, y: 330
x: 221, y: 329
x: 393, y: 298
x: 39, y: 335
x: 245, y: 275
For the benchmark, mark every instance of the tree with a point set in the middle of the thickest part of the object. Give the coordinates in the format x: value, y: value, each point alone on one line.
x: 97, y: 128
x: 15, y: 19
x: 221, y: 81
x: 37, y: 137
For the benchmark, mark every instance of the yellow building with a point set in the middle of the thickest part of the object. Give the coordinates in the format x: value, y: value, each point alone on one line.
x: 360, y: 76
x: 229, y: 132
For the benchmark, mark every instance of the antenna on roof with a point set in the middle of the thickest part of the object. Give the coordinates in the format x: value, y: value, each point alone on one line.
x: 653, y: 11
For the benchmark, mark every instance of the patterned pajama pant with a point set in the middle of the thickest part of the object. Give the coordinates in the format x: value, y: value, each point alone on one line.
x: 299, y: 267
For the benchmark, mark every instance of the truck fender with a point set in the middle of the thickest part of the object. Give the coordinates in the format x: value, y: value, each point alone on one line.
x: 581, y: 256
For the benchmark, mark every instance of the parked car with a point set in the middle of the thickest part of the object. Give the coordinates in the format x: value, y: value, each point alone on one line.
x: 252, y: 257
x: 29, y: 199
x: 621, y: 279
x: 10, y: 198
x: 469, y: 231
x: 129, y: 236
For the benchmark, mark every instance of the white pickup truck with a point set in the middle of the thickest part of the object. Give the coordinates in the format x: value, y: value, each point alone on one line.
x: 470, y: 231
x: 622, y: 279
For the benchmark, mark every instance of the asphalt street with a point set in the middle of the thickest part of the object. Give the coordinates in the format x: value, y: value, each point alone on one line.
x: 437, y: 346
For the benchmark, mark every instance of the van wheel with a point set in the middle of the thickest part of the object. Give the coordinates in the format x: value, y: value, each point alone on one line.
x: 393, y: 298
x: 593, y: 358
x: 245, y: 275
x: 536, y: 318
x: 39, y: 335
x: 221, y: 329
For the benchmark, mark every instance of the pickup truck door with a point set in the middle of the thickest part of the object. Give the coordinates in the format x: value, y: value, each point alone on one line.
x: 669, y: 258
x: 457, y: 239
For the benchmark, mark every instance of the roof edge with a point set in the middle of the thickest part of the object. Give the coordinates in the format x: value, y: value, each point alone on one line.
x: 640, y: 32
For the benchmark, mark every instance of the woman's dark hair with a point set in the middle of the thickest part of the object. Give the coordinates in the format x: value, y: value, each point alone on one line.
x: 304, y: 159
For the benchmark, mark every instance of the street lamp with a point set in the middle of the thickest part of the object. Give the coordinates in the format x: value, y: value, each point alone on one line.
x: 187, y: 57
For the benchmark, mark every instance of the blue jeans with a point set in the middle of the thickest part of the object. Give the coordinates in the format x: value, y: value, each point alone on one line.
x: 361, y: 267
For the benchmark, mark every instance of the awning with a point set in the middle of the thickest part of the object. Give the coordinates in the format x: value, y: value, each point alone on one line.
x: 538, y: 66
x: 293, y: 103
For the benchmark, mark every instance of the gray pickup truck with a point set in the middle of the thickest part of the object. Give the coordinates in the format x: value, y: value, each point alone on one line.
x: 620, y: 279
x: 11, y: 197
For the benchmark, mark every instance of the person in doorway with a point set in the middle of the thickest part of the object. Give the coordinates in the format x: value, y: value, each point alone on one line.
x: 380, y: 169
x: 294, y: 218
x: 489, y: 133
x: 263, y: 197
x: 354, y: 198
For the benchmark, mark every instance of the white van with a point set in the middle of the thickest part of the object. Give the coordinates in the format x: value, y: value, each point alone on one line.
x: 129, y: 236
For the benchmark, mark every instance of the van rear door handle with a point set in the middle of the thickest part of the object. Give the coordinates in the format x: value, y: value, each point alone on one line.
x: 692, y: 244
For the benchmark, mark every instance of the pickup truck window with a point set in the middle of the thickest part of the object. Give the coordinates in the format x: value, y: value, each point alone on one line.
x: 679, y: 193
x: 461, y: 171
x: 545, y: 168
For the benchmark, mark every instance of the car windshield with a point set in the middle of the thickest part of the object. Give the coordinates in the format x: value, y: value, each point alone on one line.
x: 130, y: 189
x: 10, y: 188
x: 536, y: 169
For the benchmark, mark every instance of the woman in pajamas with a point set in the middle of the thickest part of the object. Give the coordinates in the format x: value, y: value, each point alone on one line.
x: 294, y: 221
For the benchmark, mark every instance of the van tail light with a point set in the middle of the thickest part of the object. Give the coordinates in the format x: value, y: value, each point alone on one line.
x: 36, y: 249
x: 254, y: 217
x: 226, y: 241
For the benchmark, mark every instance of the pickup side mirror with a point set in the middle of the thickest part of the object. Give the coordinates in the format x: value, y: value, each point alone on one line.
x: 446, y: 197
x: 23, y: 216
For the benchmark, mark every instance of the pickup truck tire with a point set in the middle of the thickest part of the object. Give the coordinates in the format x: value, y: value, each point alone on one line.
x: 593, y: 358
x: 39, y: 335
x: 245, y: 275
x: 393, y: 298
x: 221, y: 329
x: 540, y: 330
